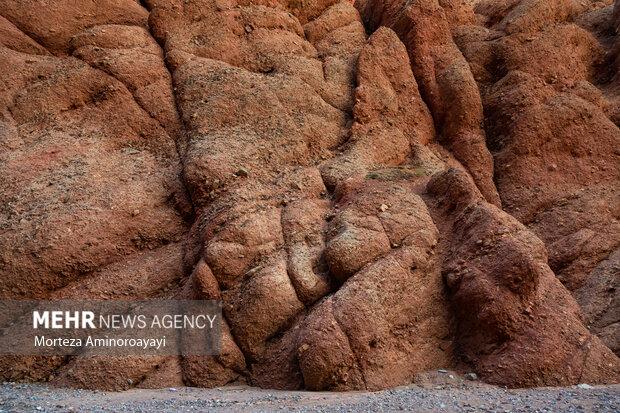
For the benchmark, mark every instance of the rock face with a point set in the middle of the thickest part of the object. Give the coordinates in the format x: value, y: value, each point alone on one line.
x: 372, y: 189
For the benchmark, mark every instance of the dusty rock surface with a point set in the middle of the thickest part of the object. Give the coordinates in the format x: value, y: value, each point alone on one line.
x: 374, y: 188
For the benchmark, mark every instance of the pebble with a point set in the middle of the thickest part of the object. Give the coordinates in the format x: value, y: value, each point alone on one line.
x: 471, y: 376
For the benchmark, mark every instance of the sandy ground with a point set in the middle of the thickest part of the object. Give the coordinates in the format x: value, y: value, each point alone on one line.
x: 458, y: 396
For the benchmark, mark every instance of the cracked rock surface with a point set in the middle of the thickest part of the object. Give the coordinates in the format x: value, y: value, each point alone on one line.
x: 373, y: 189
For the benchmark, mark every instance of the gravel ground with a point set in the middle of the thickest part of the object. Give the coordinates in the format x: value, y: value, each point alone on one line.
x: 456, y: 396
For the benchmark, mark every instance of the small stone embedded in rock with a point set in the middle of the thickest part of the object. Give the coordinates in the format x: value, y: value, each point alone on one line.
x: 242, y: 172
x: 384, y: 207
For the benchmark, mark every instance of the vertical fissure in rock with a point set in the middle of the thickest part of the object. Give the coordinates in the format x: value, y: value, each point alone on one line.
x: 183, y: 133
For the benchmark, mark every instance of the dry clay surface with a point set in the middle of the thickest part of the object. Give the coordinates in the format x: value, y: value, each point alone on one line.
x: 373, y: 189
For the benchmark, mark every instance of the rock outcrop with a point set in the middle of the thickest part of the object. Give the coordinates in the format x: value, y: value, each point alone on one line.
x: 373, y: 189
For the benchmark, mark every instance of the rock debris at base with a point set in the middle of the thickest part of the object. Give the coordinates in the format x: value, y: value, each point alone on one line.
x: 439, y: 398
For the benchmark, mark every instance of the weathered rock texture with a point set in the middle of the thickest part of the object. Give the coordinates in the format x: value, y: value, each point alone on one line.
x: 373, y: 189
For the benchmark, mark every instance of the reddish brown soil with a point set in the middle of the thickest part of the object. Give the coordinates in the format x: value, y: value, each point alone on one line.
x: 374, y: 189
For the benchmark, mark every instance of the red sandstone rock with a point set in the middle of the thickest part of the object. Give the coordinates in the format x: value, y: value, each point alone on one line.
x: 372, y: 190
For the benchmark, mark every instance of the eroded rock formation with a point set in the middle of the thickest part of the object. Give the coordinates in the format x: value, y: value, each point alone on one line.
x: 372, y: 189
